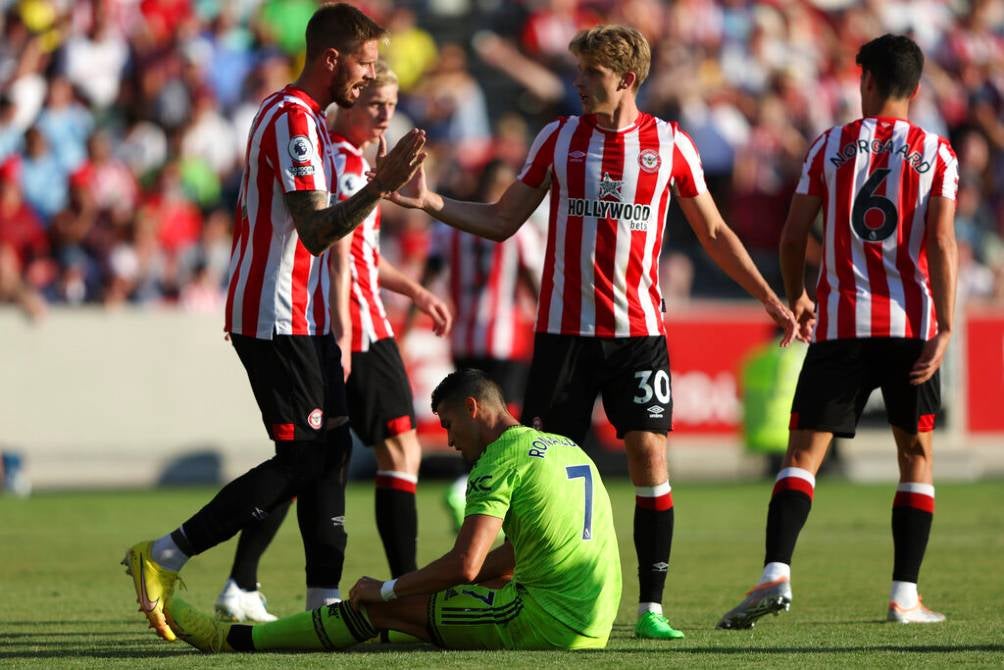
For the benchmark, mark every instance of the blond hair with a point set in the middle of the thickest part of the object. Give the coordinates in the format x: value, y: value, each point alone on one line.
x: 620, y: 48
x: 384, y: 75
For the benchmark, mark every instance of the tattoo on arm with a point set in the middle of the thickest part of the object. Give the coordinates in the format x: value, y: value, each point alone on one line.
x: 318, y: 225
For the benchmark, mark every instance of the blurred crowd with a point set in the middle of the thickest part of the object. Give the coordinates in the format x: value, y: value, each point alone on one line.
x: 123, y: 122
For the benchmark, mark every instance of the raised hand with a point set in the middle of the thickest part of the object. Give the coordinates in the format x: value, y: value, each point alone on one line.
x: 396, y: 168
x: 414, y: 194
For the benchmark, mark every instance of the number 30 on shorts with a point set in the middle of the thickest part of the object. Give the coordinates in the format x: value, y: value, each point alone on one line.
x: 649, y: 386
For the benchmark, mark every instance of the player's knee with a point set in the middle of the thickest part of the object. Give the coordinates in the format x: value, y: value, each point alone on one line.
x: 300, y: 461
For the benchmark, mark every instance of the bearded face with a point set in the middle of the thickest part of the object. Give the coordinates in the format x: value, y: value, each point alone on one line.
x: 354, y: 71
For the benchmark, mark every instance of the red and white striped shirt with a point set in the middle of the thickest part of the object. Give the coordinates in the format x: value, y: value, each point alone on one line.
x: 484, y: 278
x: 876, y: 177
x: 610, y: 191
x: 369, y: 319
x: 276, y: 285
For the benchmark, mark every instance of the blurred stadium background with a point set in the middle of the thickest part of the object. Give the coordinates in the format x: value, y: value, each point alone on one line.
x: 122, y: 126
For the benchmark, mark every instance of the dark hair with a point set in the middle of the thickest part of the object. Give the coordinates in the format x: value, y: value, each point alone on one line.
x: 467, y: 383
x: 895, y: 62
x: 339, y: 26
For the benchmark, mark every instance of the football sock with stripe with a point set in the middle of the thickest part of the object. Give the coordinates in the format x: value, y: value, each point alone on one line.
x: 789, y: 508
x: 397, y: 519
x: 653, y: 539
x: 328, y: 628
x: 912, y: 514
x: 253, y: 542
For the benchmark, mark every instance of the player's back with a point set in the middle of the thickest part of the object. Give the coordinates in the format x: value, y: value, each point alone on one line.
x: 876, y: 176
x: 559, y: 522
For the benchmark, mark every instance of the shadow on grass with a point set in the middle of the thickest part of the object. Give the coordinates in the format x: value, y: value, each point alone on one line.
x: 91, y: 653
x: 42, y: 635
x: 926, y: 649
x: 68, y: 622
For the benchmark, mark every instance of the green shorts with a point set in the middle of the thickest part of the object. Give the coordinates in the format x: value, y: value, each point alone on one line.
x: 475, y: 617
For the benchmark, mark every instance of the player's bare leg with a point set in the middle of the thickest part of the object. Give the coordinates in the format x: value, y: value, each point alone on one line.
x: 653, y: 528
x: 398, y: 459
x: 912, y: 513
x: 789, y: 508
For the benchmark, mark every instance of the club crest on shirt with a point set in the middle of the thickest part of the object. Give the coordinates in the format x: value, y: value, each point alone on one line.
x: 315, y: 418
x: 300, y: 148
x: 649, y: 160
x: 349, y: 184
x: 610, y: 187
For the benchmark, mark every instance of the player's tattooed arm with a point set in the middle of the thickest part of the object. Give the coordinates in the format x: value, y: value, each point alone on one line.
x: 318, y: 225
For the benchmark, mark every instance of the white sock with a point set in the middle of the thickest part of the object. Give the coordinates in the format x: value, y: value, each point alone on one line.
x: 649, y: 607
x: 167, y: 554
x: 904, y: 594
x: 319, y: 597
x: 775, y: 571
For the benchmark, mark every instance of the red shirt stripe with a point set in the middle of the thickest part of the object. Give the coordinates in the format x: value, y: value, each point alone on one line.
x: 276, y: 285
x: 609, y: 194
x: 875, y: 176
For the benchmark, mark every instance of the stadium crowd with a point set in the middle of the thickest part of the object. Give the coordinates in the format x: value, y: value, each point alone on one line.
x: 123, y: 122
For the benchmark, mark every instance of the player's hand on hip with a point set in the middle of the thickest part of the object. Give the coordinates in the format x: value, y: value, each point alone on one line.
x: 365, y: 591
x: 442, y: 319
x: 930, y: 359
x: 396, y: 168
x: 784, y: 319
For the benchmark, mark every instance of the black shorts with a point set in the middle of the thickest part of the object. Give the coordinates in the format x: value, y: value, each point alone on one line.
x: 380, y: 401
x: 838, y: 376
x: 567, y: 373
x: 297, y: 381
x: 510, y: 375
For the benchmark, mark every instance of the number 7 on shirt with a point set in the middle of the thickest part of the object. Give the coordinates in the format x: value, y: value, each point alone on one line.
x: 583, y: 471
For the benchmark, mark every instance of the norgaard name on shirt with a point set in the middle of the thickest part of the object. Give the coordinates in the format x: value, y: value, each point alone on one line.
x: 914, y: 159
x: 636, y: 215
x: 540, y: 446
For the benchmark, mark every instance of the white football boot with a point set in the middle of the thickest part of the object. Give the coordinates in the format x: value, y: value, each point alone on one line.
x: 236, y: 604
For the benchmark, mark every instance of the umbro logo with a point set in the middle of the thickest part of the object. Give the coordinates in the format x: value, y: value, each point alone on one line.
x: 577, y: 156
x: 656, y: 411
x: 660, y: 567
x: 337, y: 521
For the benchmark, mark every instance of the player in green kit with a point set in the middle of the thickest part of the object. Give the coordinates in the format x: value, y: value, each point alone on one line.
x: 554, y: 584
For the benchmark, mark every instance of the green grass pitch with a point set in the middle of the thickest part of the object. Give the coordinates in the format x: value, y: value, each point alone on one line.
x: 65, y: 601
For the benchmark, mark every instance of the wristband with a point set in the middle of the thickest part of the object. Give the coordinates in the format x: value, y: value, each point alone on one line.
x: 387, y: 590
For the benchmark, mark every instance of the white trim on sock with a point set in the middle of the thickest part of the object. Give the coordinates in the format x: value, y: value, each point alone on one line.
x: 319, y: 597
x: 649, y: 607
x: 774, y: 571
x: 653, y: 491
x: 166, y: 553
x: 798, y: 473
x: 904, y: 594
x: 398, y: 475
x: 914, y: 487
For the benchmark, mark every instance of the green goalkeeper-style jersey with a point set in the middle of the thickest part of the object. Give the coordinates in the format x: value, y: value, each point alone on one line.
x: 557, y: 515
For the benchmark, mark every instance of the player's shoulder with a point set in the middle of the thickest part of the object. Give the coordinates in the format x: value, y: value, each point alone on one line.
x: 341, y: 144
